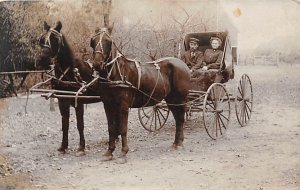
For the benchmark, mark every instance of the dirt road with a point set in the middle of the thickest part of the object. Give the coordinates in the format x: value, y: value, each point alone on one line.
x: 263, y: 155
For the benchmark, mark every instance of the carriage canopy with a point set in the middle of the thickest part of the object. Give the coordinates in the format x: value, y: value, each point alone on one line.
x: 204, y: 43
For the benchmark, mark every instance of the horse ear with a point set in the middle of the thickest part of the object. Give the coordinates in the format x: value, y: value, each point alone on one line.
x: 46, y: 26
x: 110, y: 28
x: 92, y: 43
x: 58, y: 26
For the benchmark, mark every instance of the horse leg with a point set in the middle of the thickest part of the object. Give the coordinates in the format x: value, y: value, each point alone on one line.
x: 123, y: 123
x: 64, y: 108
x: 112, y: 130
x: 178, y: 113
x: 80, y: 126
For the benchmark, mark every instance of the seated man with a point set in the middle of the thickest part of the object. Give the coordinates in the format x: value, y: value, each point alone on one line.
x: 193, y: 56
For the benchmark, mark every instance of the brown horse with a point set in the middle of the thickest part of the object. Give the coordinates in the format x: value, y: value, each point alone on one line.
x: 67, y: 69
x: 128, y: 84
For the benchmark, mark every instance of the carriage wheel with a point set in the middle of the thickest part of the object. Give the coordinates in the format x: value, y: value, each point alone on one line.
x: 216, y: 110
x: 153, y: 118
x: 244, y: 100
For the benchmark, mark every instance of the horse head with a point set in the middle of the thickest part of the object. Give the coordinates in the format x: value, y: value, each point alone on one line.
x: 52, y: 39
x: 56, y: 48
x: 103, y: 49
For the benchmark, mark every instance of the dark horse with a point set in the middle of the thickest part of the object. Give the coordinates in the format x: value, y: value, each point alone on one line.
x: 128, y: 84
x: 67, y: 69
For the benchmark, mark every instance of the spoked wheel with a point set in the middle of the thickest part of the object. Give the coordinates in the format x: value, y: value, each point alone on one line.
x: 216, y: 110
x: 244, y: 100
x: 153, y: 118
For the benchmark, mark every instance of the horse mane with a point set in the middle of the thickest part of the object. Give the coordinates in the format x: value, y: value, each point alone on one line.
x: 66, y: 57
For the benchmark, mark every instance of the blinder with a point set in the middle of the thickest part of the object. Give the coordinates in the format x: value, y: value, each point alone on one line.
x: 44, y: 40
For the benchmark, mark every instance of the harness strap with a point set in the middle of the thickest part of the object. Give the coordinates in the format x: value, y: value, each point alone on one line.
x: 139, y: 72
x: 111, y: 62
x: 119, y: 70
x: 158, y: 74
x: 64, y: 73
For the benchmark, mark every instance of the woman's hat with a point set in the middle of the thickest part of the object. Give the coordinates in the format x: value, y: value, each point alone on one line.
x: 216, y: 37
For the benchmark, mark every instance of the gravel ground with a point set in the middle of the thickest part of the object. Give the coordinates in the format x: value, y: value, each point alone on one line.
x: 263, y: 155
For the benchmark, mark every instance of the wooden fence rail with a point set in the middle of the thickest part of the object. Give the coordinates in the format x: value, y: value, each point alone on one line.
x: 21, y: 72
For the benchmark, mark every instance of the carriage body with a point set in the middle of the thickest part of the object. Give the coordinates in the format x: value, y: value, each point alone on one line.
x: 208, y: 97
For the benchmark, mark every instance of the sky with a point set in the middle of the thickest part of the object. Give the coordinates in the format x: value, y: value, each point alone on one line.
x: 271, y: 23
x: 266, y: 21
x: 274, y: 22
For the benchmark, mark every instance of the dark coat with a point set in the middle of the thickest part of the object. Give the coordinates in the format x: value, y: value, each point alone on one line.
x: 212, y: 58
x: 190, y: 60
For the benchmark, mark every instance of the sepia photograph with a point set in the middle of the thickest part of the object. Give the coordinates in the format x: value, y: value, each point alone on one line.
x: 149, y: 94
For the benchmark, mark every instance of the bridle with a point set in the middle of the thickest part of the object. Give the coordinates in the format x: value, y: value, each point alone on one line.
x: 101, y: 34
x: 47, y: 43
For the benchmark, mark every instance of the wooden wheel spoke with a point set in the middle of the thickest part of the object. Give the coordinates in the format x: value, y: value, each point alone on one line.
x: 243, y: 113
x: 211, y: 105
x: 213, y: 100
x: 159, y: 111
x: 247, y: 107
x: 148, y: 113
x: 159, y: 121
x: 238, y: 98
x: 147, y: 120
x: 217, y: 123
x: 247, y: 113
x: 224, y: 116
x: 151, y: 122
x: 241, y: 88
x: 222, y: 123
x: 155, y: 120
x: 240, y: 91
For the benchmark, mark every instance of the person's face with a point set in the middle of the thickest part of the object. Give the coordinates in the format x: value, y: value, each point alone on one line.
x: 193, y: 46
x: 215, y: 44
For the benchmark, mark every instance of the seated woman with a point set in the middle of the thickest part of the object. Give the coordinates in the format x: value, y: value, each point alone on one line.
x: 212, y: 58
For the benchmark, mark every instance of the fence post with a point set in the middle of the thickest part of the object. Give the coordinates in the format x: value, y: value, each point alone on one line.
x: 52, y: 108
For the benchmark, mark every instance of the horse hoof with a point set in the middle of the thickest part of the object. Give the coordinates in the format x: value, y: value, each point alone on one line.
x: 107, y: 156
x: 80, y: 153
x: 177, y: 146
x: 62, y: 150
x: 121, y: 160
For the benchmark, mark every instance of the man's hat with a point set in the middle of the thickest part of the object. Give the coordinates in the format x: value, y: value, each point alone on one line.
x: 194, y: 40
